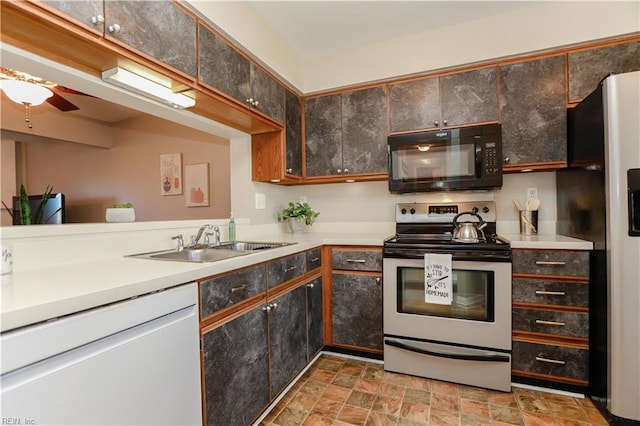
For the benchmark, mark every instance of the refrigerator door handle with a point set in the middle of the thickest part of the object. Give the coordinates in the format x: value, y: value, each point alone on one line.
x: 633, y: 188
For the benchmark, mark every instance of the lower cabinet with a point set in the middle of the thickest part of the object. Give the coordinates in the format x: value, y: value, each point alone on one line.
x: 236, y: 369
x: 249, y: 359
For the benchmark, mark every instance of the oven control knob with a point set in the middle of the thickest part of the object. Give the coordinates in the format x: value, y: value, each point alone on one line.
x: 412, y: 211
x: 403, y: 211
x: 485, y: 209
x: 474, y: 210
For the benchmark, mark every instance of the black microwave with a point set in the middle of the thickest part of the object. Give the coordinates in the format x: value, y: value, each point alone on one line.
x: 467, y: 158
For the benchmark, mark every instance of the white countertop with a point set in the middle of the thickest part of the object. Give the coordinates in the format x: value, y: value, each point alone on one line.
x: 547, y: 241
x: 34, y: 295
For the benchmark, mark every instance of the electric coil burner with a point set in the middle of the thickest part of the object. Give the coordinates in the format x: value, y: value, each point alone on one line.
x: 466, y: 339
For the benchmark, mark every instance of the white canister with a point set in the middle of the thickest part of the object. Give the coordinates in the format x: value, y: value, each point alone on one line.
x: 6, y: 260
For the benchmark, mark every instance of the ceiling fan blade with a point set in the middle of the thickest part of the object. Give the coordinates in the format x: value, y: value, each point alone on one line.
x: 61, y: 103
x: 63, y: 89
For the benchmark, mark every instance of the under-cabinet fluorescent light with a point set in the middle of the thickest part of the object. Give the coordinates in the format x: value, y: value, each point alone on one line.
x: 145, y: 87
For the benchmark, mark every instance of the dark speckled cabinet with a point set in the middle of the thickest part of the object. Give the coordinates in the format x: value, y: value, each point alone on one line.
x: 315, y: 327
x: 533, y: 109
x: 236, y: 386
x: 287, y: 338
x: 346, y: 133
x: 293, y: 134
x: 450, y: 100
x: 87, y: 12
x: 268, y: 93
x: 588, y: 67
x: 160, y: 29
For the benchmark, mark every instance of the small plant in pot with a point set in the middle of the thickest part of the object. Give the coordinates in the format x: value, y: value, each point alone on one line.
x: 298, y: 216
x: 123, y: 212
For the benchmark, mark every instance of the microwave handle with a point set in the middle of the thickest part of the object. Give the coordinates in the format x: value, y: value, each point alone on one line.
x: 478, y: 147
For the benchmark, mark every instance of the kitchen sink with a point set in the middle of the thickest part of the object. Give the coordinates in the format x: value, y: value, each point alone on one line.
x: 201, y: 254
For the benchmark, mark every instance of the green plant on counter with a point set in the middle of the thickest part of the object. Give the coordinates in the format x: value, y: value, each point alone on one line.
x: 300, y: 212
x: 25, y: 215
x: 123, y: 206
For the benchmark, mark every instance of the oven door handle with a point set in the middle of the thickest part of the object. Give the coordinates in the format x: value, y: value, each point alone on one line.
x: 491, y: 357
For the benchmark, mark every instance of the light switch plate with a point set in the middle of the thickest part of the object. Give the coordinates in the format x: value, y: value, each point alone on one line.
x: 302, y: 199
x: 261, y: 202
x: 532, y: 192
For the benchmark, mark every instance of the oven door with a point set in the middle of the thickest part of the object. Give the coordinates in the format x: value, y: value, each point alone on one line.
x: 479, y: 315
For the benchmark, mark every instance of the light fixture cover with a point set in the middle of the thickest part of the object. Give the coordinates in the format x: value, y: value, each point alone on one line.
x: 145, y: 87
x: 23, y: 92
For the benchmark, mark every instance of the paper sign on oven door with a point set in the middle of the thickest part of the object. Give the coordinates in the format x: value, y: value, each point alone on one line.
x: 438, y: 286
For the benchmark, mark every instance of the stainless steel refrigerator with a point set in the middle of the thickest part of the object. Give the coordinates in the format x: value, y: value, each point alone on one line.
x: 599, y: 200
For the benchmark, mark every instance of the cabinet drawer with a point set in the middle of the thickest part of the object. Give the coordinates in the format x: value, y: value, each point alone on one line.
x: 554, y: 360
x: 286, y: 268
x: 551, y: 262
x: 356, y: 260
x: 314, y: 259
x: 550, y: 292
x: 229, y: 289
x: 573, y: 324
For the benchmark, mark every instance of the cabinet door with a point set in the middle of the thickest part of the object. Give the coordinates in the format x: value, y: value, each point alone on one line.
x: 414, y: 105
x: 323, y: 135
x: 364, y: 131
x: 534, y: 113
x: 315, y: 326
x: 268, y: 93
x: 88, y: 12
x: 160, y: 29
x: 222, y: 66
x: 357, y: 310
x: 236, y: 377
x: 287, y: 338
x: 469, y: 97
x: 588, y: 67
x: 293, y: 134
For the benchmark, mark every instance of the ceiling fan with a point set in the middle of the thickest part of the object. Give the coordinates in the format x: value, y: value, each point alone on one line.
x: 58, y: 101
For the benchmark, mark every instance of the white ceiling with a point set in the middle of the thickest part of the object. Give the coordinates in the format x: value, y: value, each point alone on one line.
x: 315, y: 28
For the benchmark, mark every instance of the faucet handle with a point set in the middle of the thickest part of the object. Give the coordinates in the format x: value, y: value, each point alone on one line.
x: 180, y: 242
x: 207, y: 241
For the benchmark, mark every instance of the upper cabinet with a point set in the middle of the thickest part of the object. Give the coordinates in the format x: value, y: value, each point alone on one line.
x: 160, y: 29
x: 90, y: 13
x: 588, y: 67
x: 346, y: 134
x: 227, y: 70
x: 449, y: 100
x: 533, y: 110
x: 293, y: 134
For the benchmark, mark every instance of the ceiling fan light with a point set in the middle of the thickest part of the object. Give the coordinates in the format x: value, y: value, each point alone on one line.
x: 138, y: 84
x: 23, y: 92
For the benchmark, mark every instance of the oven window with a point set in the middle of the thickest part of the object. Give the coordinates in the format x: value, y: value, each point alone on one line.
x: 473, y: 295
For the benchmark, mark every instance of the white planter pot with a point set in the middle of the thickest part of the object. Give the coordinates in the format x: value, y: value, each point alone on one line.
x: 295, y: 226
x: 115, y: 215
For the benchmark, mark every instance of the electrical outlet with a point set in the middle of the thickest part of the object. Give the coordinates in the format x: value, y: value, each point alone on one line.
x: 302, y: 199
x: 532, y: 192
x: 261, y: 202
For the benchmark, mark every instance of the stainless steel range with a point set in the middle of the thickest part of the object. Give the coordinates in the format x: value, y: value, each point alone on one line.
x: 464, y: 337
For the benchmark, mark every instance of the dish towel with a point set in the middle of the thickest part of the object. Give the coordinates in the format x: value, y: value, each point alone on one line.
x: 438, y: 286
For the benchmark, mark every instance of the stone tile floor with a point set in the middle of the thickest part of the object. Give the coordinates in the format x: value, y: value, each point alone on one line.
x: 345, y: 391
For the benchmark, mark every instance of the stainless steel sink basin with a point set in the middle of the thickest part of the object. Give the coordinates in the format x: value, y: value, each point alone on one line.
x: 203, y: 254
x: 249, y: 246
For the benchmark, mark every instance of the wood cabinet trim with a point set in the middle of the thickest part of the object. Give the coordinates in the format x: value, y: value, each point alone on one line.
x: 549, y: 377
x: 547, y: 307
x: 550, y: 339
x: 574, y: 278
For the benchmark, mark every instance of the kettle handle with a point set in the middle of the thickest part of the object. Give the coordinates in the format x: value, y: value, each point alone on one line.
x: 481, y: 223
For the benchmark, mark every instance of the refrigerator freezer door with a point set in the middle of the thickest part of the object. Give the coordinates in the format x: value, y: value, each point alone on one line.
x: 622, y: 153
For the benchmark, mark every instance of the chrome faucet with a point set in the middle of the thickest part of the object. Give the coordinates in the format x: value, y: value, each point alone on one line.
x: 196, y: 238
x: 216, y: 234
x: 180, y: 242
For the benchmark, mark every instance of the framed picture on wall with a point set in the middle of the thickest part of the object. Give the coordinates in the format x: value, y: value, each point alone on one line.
x: 196, y: 179
x: 171, y: 174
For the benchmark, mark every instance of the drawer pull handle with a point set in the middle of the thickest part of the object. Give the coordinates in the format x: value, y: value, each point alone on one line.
x: 550, y: 293
x: 543, y: 322
x: 290, y: 268
x: 550, y: 263
x: 550, y: 361
x: 356, y: 261
x: 239, y: 288
x: 315, y: 259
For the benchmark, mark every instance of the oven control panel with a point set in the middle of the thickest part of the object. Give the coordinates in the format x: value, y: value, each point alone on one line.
x: 444, y: 212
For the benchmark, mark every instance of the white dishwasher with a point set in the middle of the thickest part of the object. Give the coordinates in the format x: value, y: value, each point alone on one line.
x: 134, y: 362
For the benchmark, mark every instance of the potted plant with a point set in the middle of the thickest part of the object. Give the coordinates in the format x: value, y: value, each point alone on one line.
x: 121, y: 213
x: 298, y: 216
x: 24, y: 215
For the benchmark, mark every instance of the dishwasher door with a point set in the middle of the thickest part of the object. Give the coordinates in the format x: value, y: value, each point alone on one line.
x: 85, y: 372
